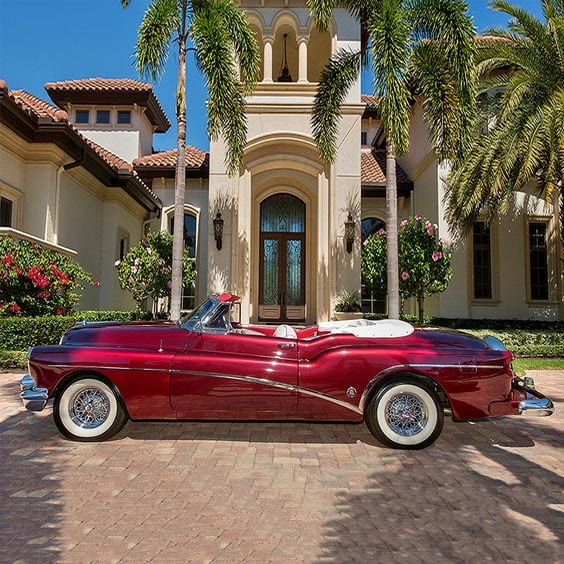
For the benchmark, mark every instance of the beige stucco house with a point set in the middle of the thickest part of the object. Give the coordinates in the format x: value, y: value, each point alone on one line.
x: 80, y: 175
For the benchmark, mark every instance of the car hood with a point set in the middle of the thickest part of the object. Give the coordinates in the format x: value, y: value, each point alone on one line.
x: 137, y: 335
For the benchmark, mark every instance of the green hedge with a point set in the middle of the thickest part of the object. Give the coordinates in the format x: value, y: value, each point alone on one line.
x: 13, y: 359
x: 21, y: 333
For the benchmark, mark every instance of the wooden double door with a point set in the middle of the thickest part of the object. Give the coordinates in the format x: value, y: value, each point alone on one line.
x: 282, y: 259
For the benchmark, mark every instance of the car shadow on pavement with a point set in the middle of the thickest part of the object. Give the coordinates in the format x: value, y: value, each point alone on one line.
x: 31, y: 505
x: 483, y: 499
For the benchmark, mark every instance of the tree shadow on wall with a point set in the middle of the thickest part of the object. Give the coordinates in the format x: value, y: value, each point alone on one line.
x: 469, y: 502
x: 31, y: 504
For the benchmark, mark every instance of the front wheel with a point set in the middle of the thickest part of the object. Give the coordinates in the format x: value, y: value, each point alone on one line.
x: 405, y: 414
x: 89, y: 409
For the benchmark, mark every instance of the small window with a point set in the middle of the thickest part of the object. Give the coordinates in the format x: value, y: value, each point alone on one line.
x: 538, y: 261
x: 82, y: 116
x: 364, y: 138
x: 123, y: 247
x: 103, y: 116
x: 124, y: 116
x: 482, y: 255
x: 6, y: 207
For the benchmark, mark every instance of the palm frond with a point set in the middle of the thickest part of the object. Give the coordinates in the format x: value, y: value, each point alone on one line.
x: 159, y: 24
x: 243, y: 40
x: 390, y: 50
x: 211, y: 36
x: 334, y: 83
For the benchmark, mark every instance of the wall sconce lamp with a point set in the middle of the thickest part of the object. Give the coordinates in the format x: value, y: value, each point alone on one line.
x: 349, y: 233
x: 218, y: 230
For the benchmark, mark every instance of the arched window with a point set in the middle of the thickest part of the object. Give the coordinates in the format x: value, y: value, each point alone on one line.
x: 371, y: 301
x: 369, y: 226
x: 285, y: 54
x: 191, y: 244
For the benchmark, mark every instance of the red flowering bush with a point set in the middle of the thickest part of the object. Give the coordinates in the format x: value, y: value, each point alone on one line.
x: 38, y: 281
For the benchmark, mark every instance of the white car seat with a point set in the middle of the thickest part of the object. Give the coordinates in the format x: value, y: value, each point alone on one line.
x: 285, y: 332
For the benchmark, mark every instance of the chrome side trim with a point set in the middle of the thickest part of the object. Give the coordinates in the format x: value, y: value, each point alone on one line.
x: 274, y: 384
x: 541, y: 407
x: 263, y: 381
x: 370, y: 386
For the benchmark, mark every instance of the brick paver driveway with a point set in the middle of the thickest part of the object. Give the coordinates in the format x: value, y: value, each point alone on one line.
x: 232, y: 492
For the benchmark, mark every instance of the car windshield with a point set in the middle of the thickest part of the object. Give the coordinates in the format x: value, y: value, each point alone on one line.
x: 199, y: 314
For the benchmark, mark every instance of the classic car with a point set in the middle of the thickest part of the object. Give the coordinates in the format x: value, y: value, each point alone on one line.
x: 398, y: 379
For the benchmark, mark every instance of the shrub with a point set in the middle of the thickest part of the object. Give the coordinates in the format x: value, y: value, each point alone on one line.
x: 146, y: 271
x: 13, y: 359
x: 424, y: 261
x: 38, y: 281
x: 348, y: 301
x: 21, y: 333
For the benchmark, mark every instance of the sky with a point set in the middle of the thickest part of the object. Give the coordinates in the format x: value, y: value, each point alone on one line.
x: 51, y: 40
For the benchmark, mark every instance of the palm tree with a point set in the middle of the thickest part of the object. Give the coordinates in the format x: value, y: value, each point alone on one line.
x: 520, y: 138
x: 417, y: 49
x: 224, y: 44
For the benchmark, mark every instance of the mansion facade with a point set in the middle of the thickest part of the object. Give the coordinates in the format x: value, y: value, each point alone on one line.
x: 78, y: 174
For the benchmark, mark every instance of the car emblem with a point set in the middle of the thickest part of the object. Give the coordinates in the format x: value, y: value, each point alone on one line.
x: 351, y: 392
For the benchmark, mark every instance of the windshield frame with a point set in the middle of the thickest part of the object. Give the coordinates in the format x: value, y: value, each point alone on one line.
x: 198, y: 319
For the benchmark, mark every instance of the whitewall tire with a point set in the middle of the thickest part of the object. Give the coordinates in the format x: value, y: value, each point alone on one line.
x: 405, y: 414
x: 89, y: 409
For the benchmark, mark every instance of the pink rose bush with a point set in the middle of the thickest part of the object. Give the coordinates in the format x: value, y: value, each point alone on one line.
x: 424, y: 261
x: 38, y: 281
x: 146, y: 271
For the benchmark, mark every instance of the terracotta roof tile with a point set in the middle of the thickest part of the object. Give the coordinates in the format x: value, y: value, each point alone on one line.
x: 367, y: 99
x: 195, y: 158
x: 36, y: 107
x: 373, y: 169
x: 109, y: 91
x: 100, y: 85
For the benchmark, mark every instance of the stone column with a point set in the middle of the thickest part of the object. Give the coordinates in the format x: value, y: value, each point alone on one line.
x: 268, y: 41
x: 302, y: 53
x: 323, y: 290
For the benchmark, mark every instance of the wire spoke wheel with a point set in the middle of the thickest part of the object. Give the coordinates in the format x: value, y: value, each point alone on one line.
x: 90, y: 408
x: 405, y: 413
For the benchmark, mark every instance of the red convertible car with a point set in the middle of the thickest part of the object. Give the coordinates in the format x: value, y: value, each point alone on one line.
x: 397, y: 379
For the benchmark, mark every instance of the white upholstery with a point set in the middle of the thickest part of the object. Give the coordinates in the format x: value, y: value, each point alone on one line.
x: 285, y: 332
x: 384, y: 329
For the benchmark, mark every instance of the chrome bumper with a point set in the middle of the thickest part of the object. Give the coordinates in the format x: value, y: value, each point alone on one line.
x: 535, y: 402
x: 33, y: 398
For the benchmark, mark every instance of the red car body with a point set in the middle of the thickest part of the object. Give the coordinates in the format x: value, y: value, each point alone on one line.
x: 197, y: 372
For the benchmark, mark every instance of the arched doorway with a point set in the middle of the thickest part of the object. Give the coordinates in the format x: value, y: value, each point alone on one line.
x: 282, y: 258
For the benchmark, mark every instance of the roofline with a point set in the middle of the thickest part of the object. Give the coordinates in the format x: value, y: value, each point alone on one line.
x: 165, y: 171
x: 44, y: 130
x: 146, y: 98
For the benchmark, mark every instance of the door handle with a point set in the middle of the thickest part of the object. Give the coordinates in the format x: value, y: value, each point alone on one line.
x: 286, y: 345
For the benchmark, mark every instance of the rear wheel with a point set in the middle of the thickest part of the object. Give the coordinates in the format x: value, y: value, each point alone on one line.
x: 405, y: 414
x: 89, y: 409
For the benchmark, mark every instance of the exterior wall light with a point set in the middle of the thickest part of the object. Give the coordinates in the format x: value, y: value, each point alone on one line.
x: 218, y: 230
x: 349, y: 232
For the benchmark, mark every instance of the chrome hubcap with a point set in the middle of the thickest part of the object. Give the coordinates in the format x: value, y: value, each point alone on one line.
x: 406, y: 414
x: 90, y: 408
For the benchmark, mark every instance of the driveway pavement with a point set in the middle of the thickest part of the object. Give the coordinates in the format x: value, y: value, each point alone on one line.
x: 273, y: 492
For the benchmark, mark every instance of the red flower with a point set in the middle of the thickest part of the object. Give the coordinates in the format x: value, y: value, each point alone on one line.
x: 15, y: 307
x: 96, y: 282
x: 59, y: 311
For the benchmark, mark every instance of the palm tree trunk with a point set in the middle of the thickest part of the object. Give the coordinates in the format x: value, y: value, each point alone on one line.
x: 180, y: 187
x: 392, y: 231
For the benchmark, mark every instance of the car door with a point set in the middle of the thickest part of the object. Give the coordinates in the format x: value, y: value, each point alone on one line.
x: 235, y: 376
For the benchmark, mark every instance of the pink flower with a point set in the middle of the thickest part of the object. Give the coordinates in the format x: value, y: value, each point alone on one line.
x: 133, y: 269
x: 404, y: 275
x: 437, y: 255
x: 365, y: 242
x: 404, y: 222
x: 430, y: 230
x: 169, y: 284
x: 136, y: 262
x: 381, y: 232
x: 149, y: 251
x: 117, y: 263
x: 417, y: 216
x: 96, y: 282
